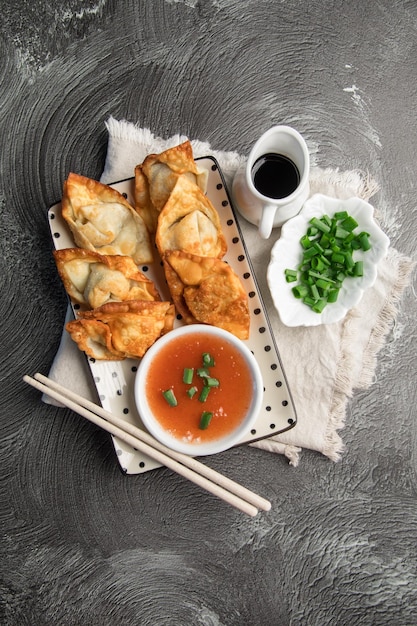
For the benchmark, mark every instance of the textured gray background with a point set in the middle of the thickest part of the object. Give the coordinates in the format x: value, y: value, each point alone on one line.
x: 82, y: 544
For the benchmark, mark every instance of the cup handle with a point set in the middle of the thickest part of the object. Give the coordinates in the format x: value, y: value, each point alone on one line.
x: 267, y: 221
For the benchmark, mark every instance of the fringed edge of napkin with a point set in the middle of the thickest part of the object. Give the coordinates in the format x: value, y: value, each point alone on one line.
x: 343, y: 184
x: 292, y: 453
x: 145, y: 142
x: 343, y: 383
x: 387, y: 318
x: 133, y: 133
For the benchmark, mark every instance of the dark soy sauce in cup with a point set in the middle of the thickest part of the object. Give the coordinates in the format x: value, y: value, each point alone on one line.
x: 275, y: 175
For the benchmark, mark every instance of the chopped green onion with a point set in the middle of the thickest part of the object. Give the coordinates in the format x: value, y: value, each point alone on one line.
x: 192, y: 391
x: 187, y: 376
x: 205, y: 419
x: 310, y: 252
x: 338, y: 257
x: 314, y: 274
x: 320, y: 225
x: 305, y: 278
x: 211, y: 382
x: 324, y: 240
x: 290, y: 276
x: 317, y: 263
x: 208, y: 382
x: 305, y: 241
x: 310, y: 301
x: 300, y: 291
x: 332, y: 295
x: 208, y: 360
x: 364, y: 241
x: 319, y: 305
x: 349, y: 238
x: 341, y: 215
x: 349, y: 262
x: 169, y: 396
x: 204, y: 393
x: 315, y: 292
x: 341, y: 233
x: 322, y: 283
x: 327, y: 258
x: 349, y: 223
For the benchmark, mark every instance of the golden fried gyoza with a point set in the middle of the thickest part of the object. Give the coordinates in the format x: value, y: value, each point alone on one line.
x: 155, y: 178
x: 208, y: 291
x: 101, y: 219
x: 94, y: 338
x: 93, y: 279
x: 189, y: 222
x: 119, y: 330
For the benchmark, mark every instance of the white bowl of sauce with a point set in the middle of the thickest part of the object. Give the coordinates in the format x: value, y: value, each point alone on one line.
x: 199, y: 390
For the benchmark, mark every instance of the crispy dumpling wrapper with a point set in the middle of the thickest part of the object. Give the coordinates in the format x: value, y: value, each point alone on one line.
x: 119, y: 330
x: 101, y: 219
x: 143, y: 204
x: 94, y: 338
x: 93, y: 279
x: 189, y: 222
x: 207, y: 290
x: 156, y: 177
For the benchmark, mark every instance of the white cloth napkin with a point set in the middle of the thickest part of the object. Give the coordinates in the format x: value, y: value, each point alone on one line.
x: 337, y: 358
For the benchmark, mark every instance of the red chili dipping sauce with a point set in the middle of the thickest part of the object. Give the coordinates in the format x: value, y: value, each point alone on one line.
x: 226, y: 404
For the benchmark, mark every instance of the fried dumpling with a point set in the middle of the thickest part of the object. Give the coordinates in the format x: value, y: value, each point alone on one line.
x: 94, y: 338
x: 189, y: 222
x: 93, y: 279
x: 119, y: 330
x: 155, y: 178
x: 208, y: 291
x: 101, y: 219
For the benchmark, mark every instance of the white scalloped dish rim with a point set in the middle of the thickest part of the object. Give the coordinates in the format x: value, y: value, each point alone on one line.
x: 287, y: 253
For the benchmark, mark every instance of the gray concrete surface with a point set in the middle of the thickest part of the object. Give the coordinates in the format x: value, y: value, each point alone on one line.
x: 83, y: 544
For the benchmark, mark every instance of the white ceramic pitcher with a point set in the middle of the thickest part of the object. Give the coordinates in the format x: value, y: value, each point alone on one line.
x: 265, y: 211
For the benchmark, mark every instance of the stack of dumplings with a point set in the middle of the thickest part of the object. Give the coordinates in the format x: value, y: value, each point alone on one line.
x: 121, y: 312
x: 157, y: 176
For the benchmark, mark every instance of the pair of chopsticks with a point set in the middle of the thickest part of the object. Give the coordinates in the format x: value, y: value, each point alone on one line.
x: 228, y: 490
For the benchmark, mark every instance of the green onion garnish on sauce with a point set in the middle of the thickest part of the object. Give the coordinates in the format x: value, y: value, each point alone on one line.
x: 205, y: 419
x: 187, y: 376
x: 208, y: 360
x: 204, y: 393
x: 211, y: 382
x: 192, y: 391
x: 169, y: 396
x: 208, y: 382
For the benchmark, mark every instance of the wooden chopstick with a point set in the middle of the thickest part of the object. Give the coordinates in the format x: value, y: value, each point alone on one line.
x: 228, y: 490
